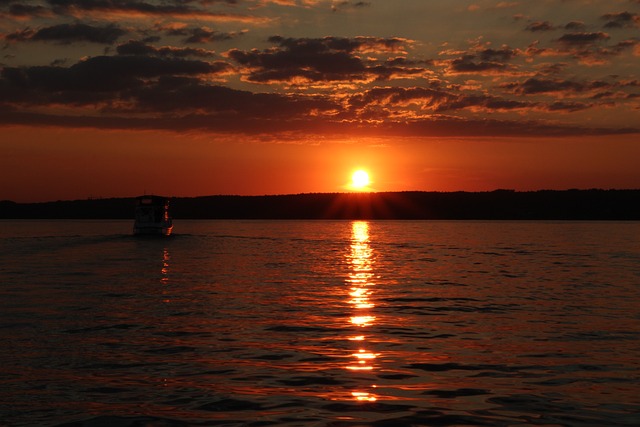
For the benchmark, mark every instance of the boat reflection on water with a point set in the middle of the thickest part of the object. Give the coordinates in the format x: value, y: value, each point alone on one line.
x: 361, y: 282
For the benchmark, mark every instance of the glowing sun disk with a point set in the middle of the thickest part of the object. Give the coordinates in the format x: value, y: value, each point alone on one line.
x: 360, y: 179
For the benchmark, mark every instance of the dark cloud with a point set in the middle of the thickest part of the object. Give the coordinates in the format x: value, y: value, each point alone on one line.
x: 135, y: 47
x: 600, y: 55
x: 270, y: 66
x: 398, y: 68
x: 342, y: 44
x: 540, y: 26
x: 468, y: 64
x: 20, y: 10
x: 187, y: 94
x: 167, y: 102
x: 142, y: 92
x: 70, y: 33
x: 575, y: 26
x: 583, y: 39
x: 69, y: 6
x: 435, y: 126
x: 487, y: 103
x: 481, y: 60
x: 202, y: 34
x: 552, y: 69
x: 101, y: 78
x: 130, y: 7
x: 621, y: 20
x: 504, y: 54
x: 327, y: 59
x: 139, y: 9
x: 534, y: 86
x: 568, y: 106
x: 140, y: 84
x: 396, y: 96
x: 428, y: 101
x: 342, y: 5
x: 583, y: 47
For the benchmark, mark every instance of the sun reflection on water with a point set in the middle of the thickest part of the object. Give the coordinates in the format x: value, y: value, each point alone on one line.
x: 361, y: 282
x: 164, y: 272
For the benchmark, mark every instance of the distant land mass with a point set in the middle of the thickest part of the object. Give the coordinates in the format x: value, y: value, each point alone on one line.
x: 593, y: 204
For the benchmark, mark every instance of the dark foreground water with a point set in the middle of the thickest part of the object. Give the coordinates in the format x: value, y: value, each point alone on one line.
x: 320, y: 323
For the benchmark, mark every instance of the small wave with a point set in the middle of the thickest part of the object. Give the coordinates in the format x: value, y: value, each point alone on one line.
x: 460, y: 392
x: 231, y: 405
x: 113, y: 421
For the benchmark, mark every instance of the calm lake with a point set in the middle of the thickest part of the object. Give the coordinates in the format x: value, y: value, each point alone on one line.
x: 320, y: 323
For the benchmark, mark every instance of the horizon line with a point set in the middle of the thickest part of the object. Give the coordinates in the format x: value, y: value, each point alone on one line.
x: 510, y: 190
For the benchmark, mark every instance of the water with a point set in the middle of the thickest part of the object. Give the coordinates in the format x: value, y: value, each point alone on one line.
x: 320, y: 323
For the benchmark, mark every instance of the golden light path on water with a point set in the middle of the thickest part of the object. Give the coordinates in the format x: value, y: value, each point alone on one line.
x: 164, y: 280
x: 361, y: 282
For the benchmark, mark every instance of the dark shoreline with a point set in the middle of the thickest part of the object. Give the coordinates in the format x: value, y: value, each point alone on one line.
x: 499, y: 204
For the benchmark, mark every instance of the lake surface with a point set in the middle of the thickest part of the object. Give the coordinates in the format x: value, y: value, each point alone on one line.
x: 320, y: 323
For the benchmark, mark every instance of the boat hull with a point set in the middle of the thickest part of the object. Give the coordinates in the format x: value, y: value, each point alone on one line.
x: 152, y: 230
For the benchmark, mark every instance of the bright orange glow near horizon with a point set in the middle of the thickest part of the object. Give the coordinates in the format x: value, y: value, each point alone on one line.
x: 59, y: 164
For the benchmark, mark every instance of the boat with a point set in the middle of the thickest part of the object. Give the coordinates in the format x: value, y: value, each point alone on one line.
x: 152, y: 216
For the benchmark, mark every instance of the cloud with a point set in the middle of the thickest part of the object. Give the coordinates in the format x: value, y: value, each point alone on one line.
x: 587, y: 48
x: 326, y: 59
x: 418, y: 102
x: 480, y: 59
x: 95, y: 79
x: 621, y: 20
x: 468, y: 65
x: 197, y: 35
x: 575, y: 26
x: 536, y: 85
x: 601, y: 55
x: 538, y: 26
x: 583, y: 39
x: 431, y: 98
x: 503, y: 54
x: 188, y: 94
x: 161, y: 74
x: 349, y: 5
x: 148, y: 92
x: 135, y: 47
x: 444, y: 126
x: 486, y: 103
x: 69, y: 33
x: 560, y: 106
x: 486, y: 62
x: 19, y: 10
x: 110, y: 9
x: 343, y: 44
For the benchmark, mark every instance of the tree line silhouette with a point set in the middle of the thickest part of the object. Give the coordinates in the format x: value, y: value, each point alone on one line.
x: 593, y: 204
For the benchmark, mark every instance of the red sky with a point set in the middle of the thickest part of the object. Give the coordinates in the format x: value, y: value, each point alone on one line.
x: 183, y: 98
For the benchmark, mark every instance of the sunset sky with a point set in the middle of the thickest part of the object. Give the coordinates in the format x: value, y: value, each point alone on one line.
x: 115, y: 98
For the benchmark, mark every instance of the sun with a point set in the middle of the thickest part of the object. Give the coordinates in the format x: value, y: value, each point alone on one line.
x: 360, y: 180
